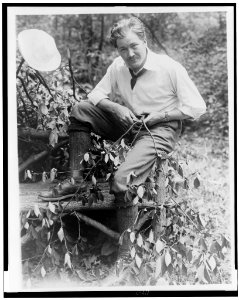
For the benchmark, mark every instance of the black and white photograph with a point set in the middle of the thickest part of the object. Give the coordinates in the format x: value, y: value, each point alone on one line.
x: 121, y: 163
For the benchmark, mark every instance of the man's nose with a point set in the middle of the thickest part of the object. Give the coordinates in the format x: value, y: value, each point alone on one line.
x: 131, y: 53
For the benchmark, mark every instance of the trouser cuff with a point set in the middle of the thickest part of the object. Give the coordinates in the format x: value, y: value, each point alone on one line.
x: 75, y: 125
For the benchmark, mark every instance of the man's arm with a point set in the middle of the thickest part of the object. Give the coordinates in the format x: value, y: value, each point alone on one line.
x: 157, y: 117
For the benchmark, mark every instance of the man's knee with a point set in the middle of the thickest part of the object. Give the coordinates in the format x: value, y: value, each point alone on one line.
x: 80, y: 109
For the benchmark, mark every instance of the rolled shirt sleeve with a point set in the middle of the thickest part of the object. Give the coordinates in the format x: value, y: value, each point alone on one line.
x: 104, y: 88
x: 190, y: 102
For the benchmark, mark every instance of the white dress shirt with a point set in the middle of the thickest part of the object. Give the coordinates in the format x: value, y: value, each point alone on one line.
x: 163, y: 87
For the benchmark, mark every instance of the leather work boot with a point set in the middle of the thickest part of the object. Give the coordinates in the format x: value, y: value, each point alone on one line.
x: 66, y: 188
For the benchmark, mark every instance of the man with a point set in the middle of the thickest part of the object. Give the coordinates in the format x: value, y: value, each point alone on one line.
x: 154, y: 88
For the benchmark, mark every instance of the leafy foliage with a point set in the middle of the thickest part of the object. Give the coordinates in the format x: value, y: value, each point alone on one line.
x: 173, y: 245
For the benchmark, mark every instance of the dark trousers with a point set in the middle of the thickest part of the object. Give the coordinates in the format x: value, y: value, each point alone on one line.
x: 141, y: 158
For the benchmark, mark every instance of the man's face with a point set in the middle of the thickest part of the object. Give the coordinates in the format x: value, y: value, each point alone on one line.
x: 133, y: 50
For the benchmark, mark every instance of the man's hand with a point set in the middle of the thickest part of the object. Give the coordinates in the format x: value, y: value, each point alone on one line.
x: 157, y: 117
x: 124, y: 115
x: 154, y: 118
x: 119, y: 113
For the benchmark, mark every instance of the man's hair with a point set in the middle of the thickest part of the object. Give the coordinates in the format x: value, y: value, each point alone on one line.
x: 120, y: 29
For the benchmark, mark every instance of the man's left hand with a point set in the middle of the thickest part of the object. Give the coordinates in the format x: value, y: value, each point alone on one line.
x: 154, y: 118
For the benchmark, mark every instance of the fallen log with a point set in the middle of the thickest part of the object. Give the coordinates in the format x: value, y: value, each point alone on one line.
x: 38, y: 134
x: 36, y: 157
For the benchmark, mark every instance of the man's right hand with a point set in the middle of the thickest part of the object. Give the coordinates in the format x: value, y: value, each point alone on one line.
x: 119, y: 113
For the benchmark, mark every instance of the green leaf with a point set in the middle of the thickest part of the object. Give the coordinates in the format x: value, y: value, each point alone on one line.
x: 196, y: 182
x: 212, y: 263
x: 67, y: 260
x: 43, y: 109
x: 86, y: 156
x: 108, y: 176
x: 215, y: 247
x: 202, y: 244
x: 140, y: 191
x: 159, y: 246
x: 132, y: 252
x: 180, y: 170
x: 132, y: 236
x: 49, y: 249
x: 93, y: 180
x: 139, y: 240
x: 43, y: 272
x: 116, y: 161
x: 106, y: 158
x: 200, y: 273
x: 122, y: 143
x: 184, y: 270
x: 151, y: 236
x: 60, y: 234
x: 138, y: 261
x: 51, y: 207
x: 168, y: 258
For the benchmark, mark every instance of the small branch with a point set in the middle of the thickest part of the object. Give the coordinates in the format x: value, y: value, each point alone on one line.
x: 20, y: 65
x: 25, y: 90
x: 41, y: 78
x: 186, y: 215
x: 113, y: 234
x: 71, y: 71
x: 24, y: 107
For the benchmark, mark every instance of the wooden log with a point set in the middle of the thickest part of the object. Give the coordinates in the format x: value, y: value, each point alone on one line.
x: 38, y: 134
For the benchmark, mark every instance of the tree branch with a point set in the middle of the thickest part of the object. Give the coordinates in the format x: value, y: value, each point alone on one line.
x: 41, y: 78
x: 25, y: 90
x: 113, y: 234
x: 36, y: 157
x: 71, y: 71
x: 20, y: 65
